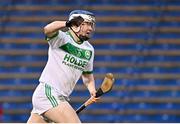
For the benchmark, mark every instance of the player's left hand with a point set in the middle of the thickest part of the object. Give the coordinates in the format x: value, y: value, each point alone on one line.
x: 93, y: 97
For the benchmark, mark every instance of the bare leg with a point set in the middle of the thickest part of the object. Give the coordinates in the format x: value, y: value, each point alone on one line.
x: 35, y: 118
x: 63, y: 113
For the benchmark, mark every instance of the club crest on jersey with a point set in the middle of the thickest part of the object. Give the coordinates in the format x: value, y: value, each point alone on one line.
x: 87, y: 54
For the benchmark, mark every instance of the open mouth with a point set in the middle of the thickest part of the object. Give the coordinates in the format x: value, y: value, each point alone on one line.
x: 88, y: 33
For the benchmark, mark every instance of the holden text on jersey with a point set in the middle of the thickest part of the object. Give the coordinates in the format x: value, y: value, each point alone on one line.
x: 74, y: 62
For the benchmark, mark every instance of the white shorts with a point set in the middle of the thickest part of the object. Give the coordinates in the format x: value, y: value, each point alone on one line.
x: 45, y: 98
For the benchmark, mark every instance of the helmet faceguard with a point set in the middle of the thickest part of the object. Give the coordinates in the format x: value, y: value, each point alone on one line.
x: 77, y: 16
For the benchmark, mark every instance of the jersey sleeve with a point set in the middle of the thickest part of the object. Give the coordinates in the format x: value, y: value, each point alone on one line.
x: 89, y: 67
x: 57, y: 40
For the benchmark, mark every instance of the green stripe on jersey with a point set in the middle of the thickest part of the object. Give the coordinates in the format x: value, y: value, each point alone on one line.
x: 78, y: 52
x: 50, y: 96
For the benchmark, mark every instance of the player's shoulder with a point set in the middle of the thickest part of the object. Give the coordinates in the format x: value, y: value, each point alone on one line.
x: 62, y: 33
x: 89, y: 45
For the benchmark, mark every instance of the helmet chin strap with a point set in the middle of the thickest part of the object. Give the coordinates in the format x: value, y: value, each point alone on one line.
x: 76, y: 30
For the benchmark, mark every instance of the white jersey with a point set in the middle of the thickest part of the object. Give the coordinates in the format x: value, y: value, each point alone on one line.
x: 67, y: 61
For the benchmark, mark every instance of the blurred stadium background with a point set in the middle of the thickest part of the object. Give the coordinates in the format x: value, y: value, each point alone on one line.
x: 137, y: 40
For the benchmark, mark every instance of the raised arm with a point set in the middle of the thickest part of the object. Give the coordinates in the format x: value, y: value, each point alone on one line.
x: 52, y: 28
